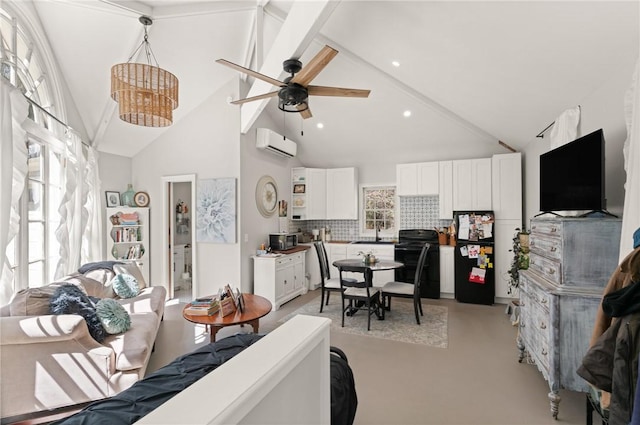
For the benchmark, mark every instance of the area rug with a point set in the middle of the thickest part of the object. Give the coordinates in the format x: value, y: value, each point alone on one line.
x: 399, y: 323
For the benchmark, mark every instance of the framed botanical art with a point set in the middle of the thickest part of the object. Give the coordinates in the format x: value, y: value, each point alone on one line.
x: 216, y: 211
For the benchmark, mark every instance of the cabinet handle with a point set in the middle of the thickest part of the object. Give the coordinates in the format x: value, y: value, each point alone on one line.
x: 551, y: 271
x: 554, y: 229
x: 543, y: 326
x: 553, y: 249
x: 544, y: 352
x: 543, y: 300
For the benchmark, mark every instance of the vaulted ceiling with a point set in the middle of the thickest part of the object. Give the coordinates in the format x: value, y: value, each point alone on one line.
x: 471, y: 73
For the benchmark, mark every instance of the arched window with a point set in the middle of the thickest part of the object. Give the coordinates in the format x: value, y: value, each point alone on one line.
x: 25, y: 63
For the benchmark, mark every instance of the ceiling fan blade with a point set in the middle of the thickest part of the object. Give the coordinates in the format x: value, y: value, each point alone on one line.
x: 252, y: 98
x: 251, y: 72
x: 314, y: 66
x: 337, y: 91
x: 306, y: 113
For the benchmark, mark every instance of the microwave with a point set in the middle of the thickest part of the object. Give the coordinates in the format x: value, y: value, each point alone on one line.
x: 282, y: 241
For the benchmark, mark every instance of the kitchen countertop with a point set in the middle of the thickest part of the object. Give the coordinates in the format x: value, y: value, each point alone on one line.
x: 293, y: 250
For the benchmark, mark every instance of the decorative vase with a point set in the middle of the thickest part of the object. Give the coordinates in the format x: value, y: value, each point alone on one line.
x: 127, y: 197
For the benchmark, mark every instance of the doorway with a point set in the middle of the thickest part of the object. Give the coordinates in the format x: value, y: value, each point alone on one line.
x: 179, y: 260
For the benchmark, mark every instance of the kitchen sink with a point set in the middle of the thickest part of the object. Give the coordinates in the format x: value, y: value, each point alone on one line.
x: 373, y: 242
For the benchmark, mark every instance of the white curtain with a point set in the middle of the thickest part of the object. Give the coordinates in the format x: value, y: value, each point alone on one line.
x: 91, y: 219
x: 13, y: 172
x: 565, y: 128
x: 69, y: 232
x: 631, y: 211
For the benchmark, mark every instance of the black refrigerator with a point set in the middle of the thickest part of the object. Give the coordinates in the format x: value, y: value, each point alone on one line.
x: 474, y: 257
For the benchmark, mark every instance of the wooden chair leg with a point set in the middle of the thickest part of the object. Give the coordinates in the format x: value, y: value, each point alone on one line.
x: 322, y: 298
x: 589, y: 411
x: 343, y: 311
x: 416, y: 308
x: 369, y: 314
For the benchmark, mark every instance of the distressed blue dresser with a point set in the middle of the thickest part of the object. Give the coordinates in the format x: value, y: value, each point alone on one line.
x: 571, y: 260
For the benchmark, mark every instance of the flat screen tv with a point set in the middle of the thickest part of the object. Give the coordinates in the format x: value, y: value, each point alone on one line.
x: 572, y: 175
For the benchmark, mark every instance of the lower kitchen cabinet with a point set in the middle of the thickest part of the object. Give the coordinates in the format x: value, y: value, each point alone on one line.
x: 447, y: 279
x: 279, y: 279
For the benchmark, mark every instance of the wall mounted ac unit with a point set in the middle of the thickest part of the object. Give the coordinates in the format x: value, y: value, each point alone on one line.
x: 273, y: 142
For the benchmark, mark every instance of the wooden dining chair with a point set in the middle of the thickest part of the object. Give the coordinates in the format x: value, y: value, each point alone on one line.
x: 359, y: 294
x: 407, y: 290
x: 328, y: 284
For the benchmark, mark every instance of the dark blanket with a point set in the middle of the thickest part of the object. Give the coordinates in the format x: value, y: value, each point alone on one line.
x: 146, y: 395
x: 97, y: 266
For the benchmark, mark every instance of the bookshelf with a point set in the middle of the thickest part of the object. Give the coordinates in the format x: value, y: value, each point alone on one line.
x: 128, y: 236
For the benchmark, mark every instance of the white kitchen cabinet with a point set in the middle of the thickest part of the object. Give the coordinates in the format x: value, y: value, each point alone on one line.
x: 506, y: 183
x: 128, y: 236
x: 279, y: 279
x: 418, y: 179
x: 308, y: 193
x: 447, y: 279
x: 445, y: 191
x: 312, y: 266
x: 335, y: 251
x: 342, y: 194
x: 320, y: 194
x: 472, y: 184
x: 381, y: 252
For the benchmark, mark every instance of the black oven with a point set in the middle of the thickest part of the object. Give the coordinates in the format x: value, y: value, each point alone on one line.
x: 407, y: 251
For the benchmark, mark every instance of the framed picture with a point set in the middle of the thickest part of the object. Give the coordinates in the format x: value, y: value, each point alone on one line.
x: 113, y: 198
x: 141, y: 199
x: 299, y: 188
x: 216, y: 210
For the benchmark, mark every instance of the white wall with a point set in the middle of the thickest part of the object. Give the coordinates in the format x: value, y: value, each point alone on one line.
x: 206, y: 143
x: 115, y: 174
x: 603, y: 108
x: 255, y: 164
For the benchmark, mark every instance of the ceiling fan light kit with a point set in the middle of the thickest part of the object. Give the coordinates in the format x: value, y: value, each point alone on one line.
x: 294, y: 91
x: 146, y: 94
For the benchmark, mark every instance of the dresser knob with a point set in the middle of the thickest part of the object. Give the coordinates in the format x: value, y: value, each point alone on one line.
x: 544, y: 352
x: 543, y: 301
x: 551, y: 271
x: 554, y: 229
x: 553, y: 249
x: 543, y: 326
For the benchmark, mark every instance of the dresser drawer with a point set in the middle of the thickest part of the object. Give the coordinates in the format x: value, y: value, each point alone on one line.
x: 546, y: 246
x: 547, y: 227
x: 545, y: 267
x: 535, y: 329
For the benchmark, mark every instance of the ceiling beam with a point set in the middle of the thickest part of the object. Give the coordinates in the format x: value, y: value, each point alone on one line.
x: 303, y: 23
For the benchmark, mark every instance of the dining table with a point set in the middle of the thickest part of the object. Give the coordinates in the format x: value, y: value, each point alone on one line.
x: 358, y: 265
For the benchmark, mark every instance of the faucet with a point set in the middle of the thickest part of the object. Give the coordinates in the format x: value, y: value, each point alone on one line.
x: 378, y: 238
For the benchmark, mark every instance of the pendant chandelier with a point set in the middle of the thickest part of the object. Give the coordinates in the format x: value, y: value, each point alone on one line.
x: 146, y: 94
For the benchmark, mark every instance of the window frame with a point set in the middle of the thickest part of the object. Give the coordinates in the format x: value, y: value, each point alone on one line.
x: 385, y: 233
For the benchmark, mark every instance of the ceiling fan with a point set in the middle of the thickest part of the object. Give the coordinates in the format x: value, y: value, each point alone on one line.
x: 293, y: 95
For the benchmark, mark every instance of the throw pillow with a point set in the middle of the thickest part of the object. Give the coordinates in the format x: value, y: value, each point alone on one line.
x: 130, y: 267
x: 68, y: 299
x: 125, y: 285
x: 113, y: 316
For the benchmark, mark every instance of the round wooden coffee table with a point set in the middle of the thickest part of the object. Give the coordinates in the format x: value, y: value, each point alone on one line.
x: 255, y: 307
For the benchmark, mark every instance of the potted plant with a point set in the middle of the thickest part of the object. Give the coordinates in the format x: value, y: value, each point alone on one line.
x: 520, y: 260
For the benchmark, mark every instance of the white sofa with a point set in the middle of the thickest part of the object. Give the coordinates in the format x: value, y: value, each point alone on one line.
x: 51, y: 361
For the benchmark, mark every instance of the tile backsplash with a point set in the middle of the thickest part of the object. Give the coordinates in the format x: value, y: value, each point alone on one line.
x: 416, y: 212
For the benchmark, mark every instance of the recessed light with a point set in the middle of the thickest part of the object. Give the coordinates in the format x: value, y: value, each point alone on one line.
x: 407, y: 113
x: 395, y: 63
x: 320, y: 125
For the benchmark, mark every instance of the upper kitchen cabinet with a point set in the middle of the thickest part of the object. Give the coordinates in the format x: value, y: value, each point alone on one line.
x: 319, y: 194
x: 445, y: 193
x: 342, y: 194
x: 472, y: 184
x: 309, y: 193
x: 417, y: 179
x: 507, y: 185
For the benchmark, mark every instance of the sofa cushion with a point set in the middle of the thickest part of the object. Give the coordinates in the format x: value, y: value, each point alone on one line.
x: 131, y: 268
x: 134, y: 346
x: 150, y: 299
x: 68, y: 299
x: 35, y: 301
x: 113, y: 316
x: 125, y: 285
x: 104, y: 276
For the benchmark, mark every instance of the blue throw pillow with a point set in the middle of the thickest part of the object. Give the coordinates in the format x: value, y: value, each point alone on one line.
x: 68, y: 299
x: 113, y: 316
x: 125, y: 285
